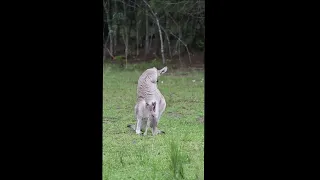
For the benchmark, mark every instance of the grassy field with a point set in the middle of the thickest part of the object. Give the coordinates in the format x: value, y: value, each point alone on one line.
x: 177, y: 154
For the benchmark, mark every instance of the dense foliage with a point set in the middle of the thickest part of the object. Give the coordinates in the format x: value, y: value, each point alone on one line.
x: 145, y: 29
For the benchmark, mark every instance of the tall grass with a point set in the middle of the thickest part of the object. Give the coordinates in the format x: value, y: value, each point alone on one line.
x: 176, y: 161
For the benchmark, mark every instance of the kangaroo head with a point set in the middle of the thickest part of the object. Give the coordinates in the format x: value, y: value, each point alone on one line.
x: 154, y: 73
x: 162, y: 71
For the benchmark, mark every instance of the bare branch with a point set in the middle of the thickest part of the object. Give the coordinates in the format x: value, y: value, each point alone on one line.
x: 183, y: 44
x: 150, y: 8
x: 178, y: 38
x: 159, y: 28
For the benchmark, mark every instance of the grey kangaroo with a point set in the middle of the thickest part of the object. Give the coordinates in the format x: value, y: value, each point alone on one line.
x: 150, y: 102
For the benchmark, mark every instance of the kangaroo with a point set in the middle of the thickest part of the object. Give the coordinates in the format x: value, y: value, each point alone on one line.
x: 150, y: 102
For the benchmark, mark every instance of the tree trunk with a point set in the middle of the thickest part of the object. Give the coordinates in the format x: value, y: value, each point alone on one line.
x: 110, y: 28
x: 116, y: 30
x: 138, y: 22
x: 146, y: 46
x: 104, y: 52
x: 161, y: 41
x: 130, y: 29
x: 125, y: 32
x: 167, y: 44
x: 137, y: 38
x: 150, y: 41
x: 194, y: 34
x: 151, y: 35
x: 159, y: 28
x: 126, y: 42
x: 165, y: 30
x: 105, y: 49
x: 105, y: 26
x: 179, y: 49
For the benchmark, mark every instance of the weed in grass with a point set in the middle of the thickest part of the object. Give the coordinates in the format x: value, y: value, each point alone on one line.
x: 177, y: 159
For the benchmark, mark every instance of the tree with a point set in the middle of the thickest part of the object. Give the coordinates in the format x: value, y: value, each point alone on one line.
x: 179, y: 28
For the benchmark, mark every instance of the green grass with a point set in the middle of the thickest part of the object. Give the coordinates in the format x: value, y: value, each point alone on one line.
x: 177, y: 154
